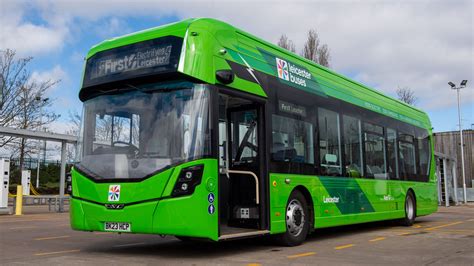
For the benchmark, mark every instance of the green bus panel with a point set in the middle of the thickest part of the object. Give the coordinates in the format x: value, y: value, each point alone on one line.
x: 149, y: 207
x: 341, y: 201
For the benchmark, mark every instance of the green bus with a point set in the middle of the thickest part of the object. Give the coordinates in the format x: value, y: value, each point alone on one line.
x: 197, y: 129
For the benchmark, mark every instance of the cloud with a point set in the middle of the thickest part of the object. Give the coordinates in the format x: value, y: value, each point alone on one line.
x: 25, y: 37
x: 54, y: 74
x: 112, y: 27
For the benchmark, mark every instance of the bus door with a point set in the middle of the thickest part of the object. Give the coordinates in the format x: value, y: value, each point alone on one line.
x: 241, y: 175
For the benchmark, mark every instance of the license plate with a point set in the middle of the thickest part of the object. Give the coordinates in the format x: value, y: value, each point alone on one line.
x: 117, y: 227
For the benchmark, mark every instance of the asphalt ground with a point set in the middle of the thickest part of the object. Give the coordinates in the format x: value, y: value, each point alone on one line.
x: 446, y: 237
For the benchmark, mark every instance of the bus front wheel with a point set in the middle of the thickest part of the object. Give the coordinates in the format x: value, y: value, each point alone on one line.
x: 410, y: 210
x: 297, y: 220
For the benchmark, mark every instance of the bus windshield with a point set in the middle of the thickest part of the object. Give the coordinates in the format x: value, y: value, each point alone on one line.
x: 137, y: 131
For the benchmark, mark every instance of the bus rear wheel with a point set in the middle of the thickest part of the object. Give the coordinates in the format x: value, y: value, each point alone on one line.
x: 297, y: 220
x: 410, y: 210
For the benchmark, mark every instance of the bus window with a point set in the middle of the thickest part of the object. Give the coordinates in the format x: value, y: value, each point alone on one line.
x: 392, y: 153
x: 375, y: 159
x: 329, y: 142
x: 424, y: 156
x: 352, y: 146
x: 113, y: 129
x: 292, y: 140
x: 407, y: 159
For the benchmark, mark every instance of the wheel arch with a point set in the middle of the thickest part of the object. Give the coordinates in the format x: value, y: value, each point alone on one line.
x: 410, y: 190
x: 309, y: 201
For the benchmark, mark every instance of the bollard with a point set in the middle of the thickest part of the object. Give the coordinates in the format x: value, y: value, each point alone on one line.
x: 19, y: 200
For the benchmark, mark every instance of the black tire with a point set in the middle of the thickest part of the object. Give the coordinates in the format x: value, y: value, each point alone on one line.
x: 297, y: 221
x: 410, y: 210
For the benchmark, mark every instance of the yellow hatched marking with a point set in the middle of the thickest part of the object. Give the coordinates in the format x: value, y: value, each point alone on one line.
x: 441, y: 226
x: 52, y: 237
x: 301, y: 255
x: 57, y: 252
x: 343, y: 247
x: 377, y: 239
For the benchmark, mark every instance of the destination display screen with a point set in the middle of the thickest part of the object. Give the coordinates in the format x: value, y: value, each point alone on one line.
x: 135, y: 60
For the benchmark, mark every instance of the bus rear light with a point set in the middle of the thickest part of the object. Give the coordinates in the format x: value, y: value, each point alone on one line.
x: 188, y: 179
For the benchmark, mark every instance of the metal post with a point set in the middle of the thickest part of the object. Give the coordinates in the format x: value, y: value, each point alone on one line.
x: 455, y: 182
x: 38, y: 164
x: 438, y: 179
x: 39, y: 147
x: 19, y: 200
x: 62, y: 179
x: 446, y: 192
x: 462, y: 149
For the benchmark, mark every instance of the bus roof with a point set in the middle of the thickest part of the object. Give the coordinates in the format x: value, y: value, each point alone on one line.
x: 211, y: 45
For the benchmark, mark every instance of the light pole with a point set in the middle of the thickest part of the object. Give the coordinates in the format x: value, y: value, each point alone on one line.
x: 453, y: 86
x: 40, y: 101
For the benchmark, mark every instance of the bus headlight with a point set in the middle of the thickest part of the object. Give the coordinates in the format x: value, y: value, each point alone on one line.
x: 69, y: 183
x: 188, y: 179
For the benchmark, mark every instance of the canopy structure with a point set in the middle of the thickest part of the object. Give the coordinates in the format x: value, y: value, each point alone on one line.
x: 47, y: 136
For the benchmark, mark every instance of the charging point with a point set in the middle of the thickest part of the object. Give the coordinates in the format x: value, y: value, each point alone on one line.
x: 25, y: 181
x: 5, y: 182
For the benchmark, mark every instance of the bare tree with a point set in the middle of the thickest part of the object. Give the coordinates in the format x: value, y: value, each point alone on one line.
x: 286, y: 43
x: 74, y: 130
x: 314, y: 50
x: 20, y: 107
x: 407, y: 95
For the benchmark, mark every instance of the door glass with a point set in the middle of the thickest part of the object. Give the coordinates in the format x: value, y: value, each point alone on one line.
x: 244, y: 137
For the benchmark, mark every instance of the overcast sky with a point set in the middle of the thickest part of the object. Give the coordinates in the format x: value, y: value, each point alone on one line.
x: 384, y: 44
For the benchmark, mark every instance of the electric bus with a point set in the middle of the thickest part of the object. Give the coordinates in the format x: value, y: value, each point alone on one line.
x: 198, y: 129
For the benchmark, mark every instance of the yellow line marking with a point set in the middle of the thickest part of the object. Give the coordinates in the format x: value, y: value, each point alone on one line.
x: 23, y: 227
x: 57, y: 252
x: 343, y: 247
x: 254, y: 264
x: 416, y: 226
x: 440, y: 226
x: 52, y: 237
x: 458, y: 230
x: 301, y: 255
x: 404, y: 234
x: 377, y: 239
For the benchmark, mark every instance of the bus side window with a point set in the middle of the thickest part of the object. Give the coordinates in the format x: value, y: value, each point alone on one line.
x: 406, y: 156
x: 352, y: 146
x: 375, y: 157
x: 392, y: 153
x: 329, y: 142
x: 424, y: 157
x: 292, y: 140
